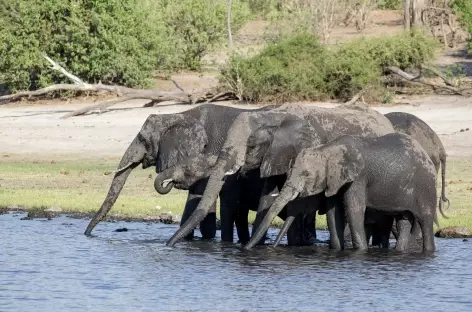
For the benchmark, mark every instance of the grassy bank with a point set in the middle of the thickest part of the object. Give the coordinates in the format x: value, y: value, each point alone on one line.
x: 80, y: 187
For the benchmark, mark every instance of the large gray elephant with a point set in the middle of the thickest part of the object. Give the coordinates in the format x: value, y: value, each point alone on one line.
x: 354, y: 174
x: 165, y: 141
x: 252, y: 133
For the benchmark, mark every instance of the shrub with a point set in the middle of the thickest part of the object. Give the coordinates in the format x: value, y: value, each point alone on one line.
x: 198, y: 25
x: 300, y: 68
x: 115, y: 41
x: 463, y: 8
x: 292, y: 69
x: 390, y: 4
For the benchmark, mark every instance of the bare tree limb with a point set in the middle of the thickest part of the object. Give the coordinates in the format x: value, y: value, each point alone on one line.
x: 440, y: 75
x: 355, y: 98
x: 408, y: 77
x: 94, y: 88
x: 228, y: 24
x: 58, y: 67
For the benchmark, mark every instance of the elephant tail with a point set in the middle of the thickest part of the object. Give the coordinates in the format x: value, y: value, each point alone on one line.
x: 443, y: 197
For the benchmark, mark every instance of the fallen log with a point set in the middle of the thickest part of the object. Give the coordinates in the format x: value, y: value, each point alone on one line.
x: 123, y: 93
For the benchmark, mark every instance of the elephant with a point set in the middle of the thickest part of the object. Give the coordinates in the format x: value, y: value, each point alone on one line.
x: 428, y: 139
x: 420, y: 131
x: 353, y: 172
x: 167, y: 140
x: 252, y: 132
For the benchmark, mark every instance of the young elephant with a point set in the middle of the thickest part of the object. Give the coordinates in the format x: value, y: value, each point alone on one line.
x: 391, y: 173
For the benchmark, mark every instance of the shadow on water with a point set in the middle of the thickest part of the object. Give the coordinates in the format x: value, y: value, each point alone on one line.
x: 51, y: 266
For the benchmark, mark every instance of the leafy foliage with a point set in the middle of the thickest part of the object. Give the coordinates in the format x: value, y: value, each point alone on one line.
x: 463, y: 8
x: 112, y: 41
x: 300, y: 68
x: 198, y: 25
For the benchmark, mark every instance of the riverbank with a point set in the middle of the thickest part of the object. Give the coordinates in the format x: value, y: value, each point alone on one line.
x: 49, y: 163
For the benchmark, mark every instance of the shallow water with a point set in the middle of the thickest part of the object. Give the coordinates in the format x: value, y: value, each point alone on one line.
x: 52, y: 266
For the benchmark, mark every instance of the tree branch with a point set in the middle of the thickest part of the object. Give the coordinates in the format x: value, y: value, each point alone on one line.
x: 58, y: 67
x: 355, y: 98
x: 440, y: 75
x: 408, y: 77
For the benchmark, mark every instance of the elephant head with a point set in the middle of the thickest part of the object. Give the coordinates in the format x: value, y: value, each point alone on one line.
x: 163, y: 141
x: 316, y: 169
x: 184, y: 175
x: 248, y: 139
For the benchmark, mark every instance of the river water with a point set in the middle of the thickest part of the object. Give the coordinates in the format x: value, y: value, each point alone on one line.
x: 51, y: 266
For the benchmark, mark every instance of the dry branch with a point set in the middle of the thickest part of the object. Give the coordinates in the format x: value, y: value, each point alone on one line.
x: 355, y: 98
x: 418, y: 79
x: 440, y: 75
x: 124, y: 93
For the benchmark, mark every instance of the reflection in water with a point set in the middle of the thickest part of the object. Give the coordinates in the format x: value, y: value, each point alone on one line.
x: 52, y: 266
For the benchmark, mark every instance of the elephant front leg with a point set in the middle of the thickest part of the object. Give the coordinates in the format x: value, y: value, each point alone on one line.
x: 242, y: 225
x: 336, y: 222
x: 355, y: 205
x: 208, y: 225
x: 190, y: 206
x: 229, y: 205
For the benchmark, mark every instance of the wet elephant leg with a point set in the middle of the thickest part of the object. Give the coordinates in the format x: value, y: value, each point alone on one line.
x: 229, y: 205
x: 190, y: 206
x: 404, y: 230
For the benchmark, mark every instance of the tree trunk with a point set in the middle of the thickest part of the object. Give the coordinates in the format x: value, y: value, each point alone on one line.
x: 417, y: 10
x: 406, y: 14
x: 228, y: 21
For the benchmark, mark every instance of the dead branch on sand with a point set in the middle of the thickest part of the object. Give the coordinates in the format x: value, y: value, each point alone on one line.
x: 421, y: 80
x: 123, y: 93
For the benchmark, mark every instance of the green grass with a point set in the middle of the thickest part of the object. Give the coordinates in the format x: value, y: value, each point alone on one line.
x: 82, y: 186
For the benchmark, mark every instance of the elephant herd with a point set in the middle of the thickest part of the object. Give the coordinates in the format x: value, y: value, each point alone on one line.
x: 370, y: 174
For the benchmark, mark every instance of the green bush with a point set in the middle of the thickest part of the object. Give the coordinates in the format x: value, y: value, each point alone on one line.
x: 463, y: 8
x: 390, y: 4
x: 115, y: 41
x: 300, y: 68
x: 112, y: 41
x: 198, y: 25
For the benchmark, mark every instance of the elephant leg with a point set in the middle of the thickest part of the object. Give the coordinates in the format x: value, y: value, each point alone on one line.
x: 404, y: 231
x: 295, y: 231
x: 335, y: 218
x: 354, y: 205
x: 242, y: 225
x: 229, y: 205
x: 208, y: 225
x: 190, y: 206
x: 309, y: 224
x: 428, y: 234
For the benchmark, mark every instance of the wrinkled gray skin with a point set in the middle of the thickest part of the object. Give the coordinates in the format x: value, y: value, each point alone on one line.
x: 165, y: 141
x: 428, y: 139
x: 354, y: 173
x: 252, y: 133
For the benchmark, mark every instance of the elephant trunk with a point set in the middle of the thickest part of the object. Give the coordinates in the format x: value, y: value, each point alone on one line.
x: 163, y: 182
x: 130, y: 160
x: 213, y: 188
x: 288, y: 222
x: 287, y: 194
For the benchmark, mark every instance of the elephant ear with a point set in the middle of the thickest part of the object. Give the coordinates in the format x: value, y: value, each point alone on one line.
x: 185, y: 138
x: 345, y: 163
x: 289, y: 139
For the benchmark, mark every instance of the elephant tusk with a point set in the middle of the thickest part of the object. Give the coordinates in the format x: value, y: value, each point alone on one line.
x: 295, y: 195
x: 232, y: 171
x: 166, y: 182
x: 119, y: 169
x: 274, y: 195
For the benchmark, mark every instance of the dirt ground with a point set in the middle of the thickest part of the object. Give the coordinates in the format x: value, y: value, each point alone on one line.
x: 38, y: 132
